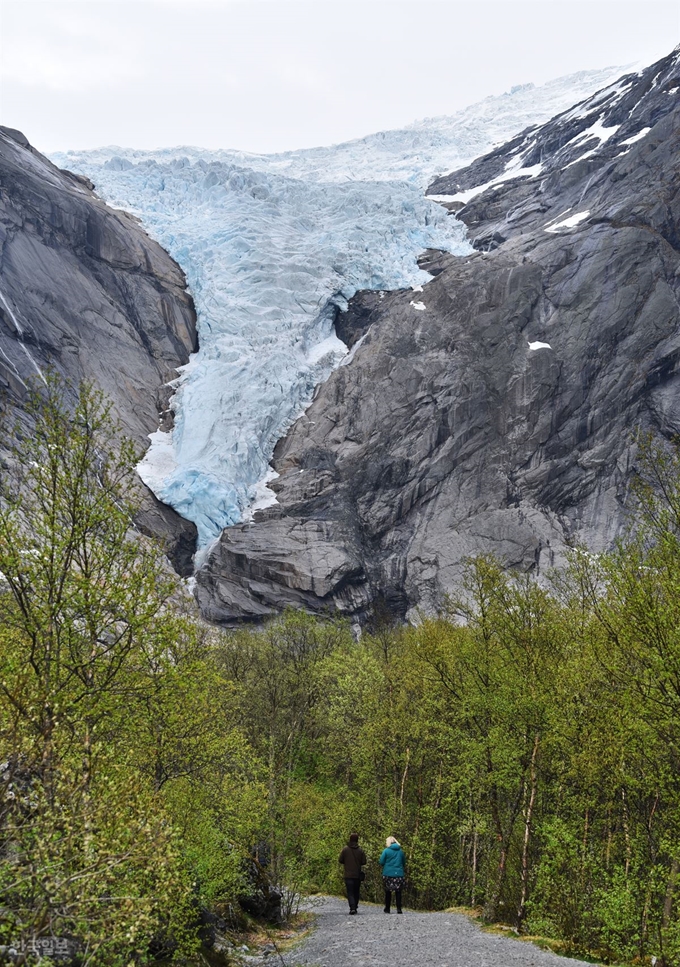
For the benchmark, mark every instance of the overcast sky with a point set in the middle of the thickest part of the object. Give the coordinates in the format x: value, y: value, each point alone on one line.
x: 267, y: 75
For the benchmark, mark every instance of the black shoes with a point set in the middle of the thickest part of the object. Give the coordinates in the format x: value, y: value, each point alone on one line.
x: 386, y: 910
x: 352, y: 913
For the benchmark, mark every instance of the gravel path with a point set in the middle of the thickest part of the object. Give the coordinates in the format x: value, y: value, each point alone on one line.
x: 373, y: 939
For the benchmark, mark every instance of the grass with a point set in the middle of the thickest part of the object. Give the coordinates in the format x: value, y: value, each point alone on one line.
x: 284, y: 937
x: 560, y: 947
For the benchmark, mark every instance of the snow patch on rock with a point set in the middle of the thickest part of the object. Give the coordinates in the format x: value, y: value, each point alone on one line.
x: 637, y: 137
x: 510, y: 174
x: 570, y: 222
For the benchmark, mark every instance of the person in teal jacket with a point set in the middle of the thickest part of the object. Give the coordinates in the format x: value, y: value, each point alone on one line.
x: 393, y: 862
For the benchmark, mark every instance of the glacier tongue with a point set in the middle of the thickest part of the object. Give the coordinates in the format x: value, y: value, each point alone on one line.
x: 271, y: 245
x: 267, y: 258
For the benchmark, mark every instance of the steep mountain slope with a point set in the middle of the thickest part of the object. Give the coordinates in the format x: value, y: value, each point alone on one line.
x: 271, y: 245
x: 85, y: 292
x: 497, y: 409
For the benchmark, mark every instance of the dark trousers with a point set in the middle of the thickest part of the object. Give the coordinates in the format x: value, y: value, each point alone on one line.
x: 353, y: 886
x: 388, y: 900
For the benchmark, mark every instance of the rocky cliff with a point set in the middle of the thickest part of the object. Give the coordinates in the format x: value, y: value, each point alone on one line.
x: 496, y: 410
x: 86, y: 293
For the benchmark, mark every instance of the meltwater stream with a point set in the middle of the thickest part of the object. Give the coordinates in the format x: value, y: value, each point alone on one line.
x: 271, y: 245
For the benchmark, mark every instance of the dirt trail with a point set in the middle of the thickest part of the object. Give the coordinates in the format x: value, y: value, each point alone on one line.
x: 373, y: 939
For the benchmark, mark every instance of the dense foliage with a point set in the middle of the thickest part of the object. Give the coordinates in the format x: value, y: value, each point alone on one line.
x: 523, y: 746
x: 127, y: 792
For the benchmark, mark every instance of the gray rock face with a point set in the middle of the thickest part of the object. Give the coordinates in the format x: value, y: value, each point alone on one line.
x: 447, y: 434
x: 85, y: 292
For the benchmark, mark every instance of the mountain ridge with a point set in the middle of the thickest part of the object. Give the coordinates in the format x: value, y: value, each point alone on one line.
x: 489, y: 409
x: 271, y: 246
x: 495, y: 411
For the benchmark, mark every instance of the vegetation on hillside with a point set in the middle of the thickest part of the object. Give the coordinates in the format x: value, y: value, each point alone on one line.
x: 522, y: 746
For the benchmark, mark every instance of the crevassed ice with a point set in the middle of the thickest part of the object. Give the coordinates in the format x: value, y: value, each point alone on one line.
x: 271, y: 245
x: 268, y: 259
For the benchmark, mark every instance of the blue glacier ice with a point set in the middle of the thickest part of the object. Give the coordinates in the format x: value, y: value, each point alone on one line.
x: 271, y: 245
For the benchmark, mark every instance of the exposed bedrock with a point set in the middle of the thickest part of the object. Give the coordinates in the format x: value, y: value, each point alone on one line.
x: 86, y: 293
x: 446, y: 435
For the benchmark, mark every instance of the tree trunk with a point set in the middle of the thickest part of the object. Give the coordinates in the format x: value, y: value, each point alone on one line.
x: 403, y: 784
x: 670, y: 891
x: 528, y: 814
x: 626, y: 829
x: 668, y: 903
x: 491, y: 902
x: 491, y: 905
x: 473, y: 892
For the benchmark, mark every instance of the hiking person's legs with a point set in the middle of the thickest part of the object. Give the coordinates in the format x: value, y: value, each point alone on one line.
x: 352, y: 885
x: 397, y: 894
x: 388, y: 900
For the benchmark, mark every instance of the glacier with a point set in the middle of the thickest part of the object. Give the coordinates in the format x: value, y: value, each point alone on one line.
x: 272, y: 246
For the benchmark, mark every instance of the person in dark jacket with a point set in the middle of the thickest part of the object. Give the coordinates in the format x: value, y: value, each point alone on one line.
x: 393, y: 862
x: 352, y: 859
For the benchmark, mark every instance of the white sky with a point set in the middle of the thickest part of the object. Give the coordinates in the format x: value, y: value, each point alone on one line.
x: 267, y: 75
